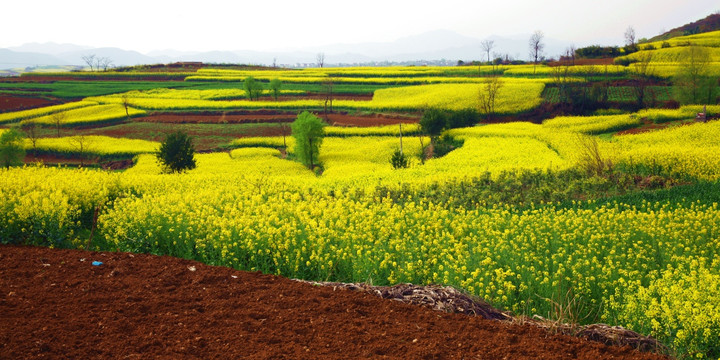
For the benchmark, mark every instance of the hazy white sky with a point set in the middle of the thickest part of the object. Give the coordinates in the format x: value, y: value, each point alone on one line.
x: 269, y: 25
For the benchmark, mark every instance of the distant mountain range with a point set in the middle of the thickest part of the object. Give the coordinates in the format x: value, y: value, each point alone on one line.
x: 430, y: 46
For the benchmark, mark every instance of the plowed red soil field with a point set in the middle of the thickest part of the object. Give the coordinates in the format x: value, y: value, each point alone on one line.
x: 58, y: 304
x: 16, y: 103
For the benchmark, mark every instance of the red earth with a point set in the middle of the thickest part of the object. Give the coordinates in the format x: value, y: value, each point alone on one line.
x: 648, y: 125
x: 60, y: 304
x: 10, y: 103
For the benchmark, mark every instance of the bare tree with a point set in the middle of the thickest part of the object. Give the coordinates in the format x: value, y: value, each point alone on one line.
x: 630, y: 36
x: 488, y: 94
x: 285, y: 128
x: 90, y: 60
x: 126, y: 103
x: 58, y: 118
x: 487, y: 46
x: 327, y: 87
x: 274, y: 64
x: 571, y: 54
x: 31, y: 133
x: 561, y: 77
x: 641, y: 74
x: 320, y: 59
x: 103, y: 63
x: 536, y: 47
x: 81, y: 144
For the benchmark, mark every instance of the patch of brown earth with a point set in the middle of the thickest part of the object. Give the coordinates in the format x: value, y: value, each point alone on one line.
x: 60, y: 304
x: 10, y: 103
x: 648, y: 126
x: 54, y: 160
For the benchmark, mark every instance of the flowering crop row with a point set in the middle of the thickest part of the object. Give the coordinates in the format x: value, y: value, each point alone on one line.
x: 44, y: 111
x: 516, y: 95
x: 576, y: 70
x: 345, y: 79
x: 593, y: 124
x: 190, y: 94
x: 387, y: 130
x: 671, y: 55
x: 710, y: 39
x: 103, y: 146
x: 684, y: 112
x: 87, y: 115
x: 394, y: 71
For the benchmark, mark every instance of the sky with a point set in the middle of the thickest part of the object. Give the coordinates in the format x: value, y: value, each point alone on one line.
x: 209, y: 25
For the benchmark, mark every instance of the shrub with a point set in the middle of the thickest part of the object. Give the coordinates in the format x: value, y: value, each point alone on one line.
x: 462, y: 118
x: 177, y: 153
x: 445, y: 144
x: 399, y: 160
x: 624, y: 61
x: 12, y: 151
x: 590, y: 158
x: 433, y: 122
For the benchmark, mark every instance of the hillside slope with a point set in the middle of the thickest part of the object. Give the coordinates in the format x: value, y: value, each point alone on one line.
x: 709, y: 23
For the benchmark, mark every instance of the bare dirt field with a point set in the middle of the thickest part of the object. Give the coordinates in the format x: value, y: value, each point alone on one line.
x: 62, y: 304
x: 10, y: 103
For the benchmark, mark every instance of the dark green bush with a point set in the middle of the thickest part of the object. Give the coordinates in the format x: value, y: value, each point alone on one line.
x: 177, y: 153
x: 462, y: 118
x: 445, y: 144
x: 399, y: 160
x: 433, y: 122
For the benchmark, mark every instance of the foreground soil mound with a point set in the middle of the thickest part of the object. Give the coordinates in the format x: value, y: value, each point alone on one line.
x: 63, y: 304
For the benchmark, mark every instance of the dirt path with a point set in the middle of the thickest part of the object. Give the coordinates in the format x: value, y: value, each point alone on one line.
x: 58, y: 304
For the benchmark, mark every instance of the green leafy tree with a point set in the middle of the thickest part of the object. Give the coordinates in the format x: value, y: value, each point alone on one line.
x: 275, y: 85
x: 693, y: 83
x: 177, y: 153
x: 12, y: 151
x: 253, y: 88
x: 433, y: 122
x: 308, y: 131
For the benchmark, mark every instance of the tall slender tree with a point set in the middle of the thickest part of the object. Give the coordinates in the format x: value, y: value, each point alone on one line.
x: 487, y: 46
x: 537, y: 47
